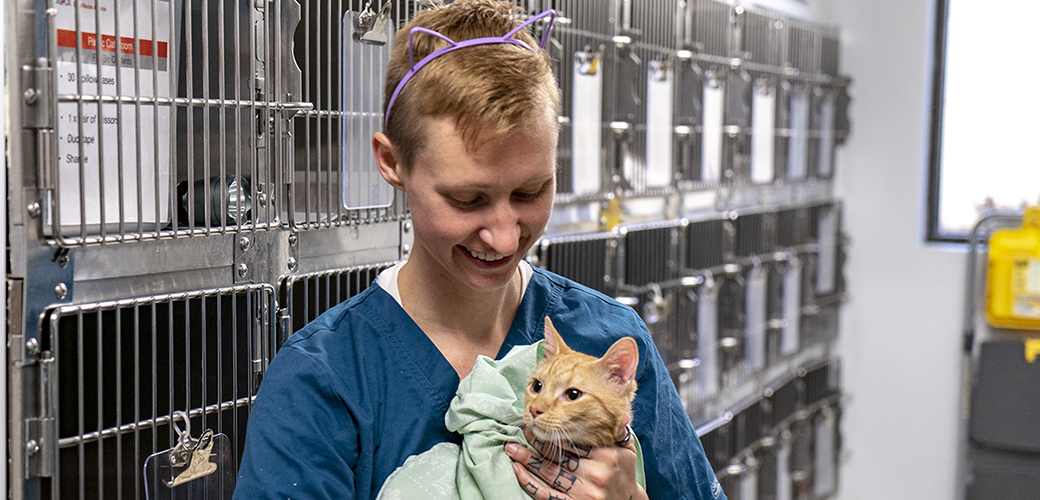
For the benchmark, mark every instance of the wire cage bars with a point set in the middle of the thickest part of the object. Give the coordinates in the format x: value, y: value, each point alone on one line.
x: 305, y: 296
x: 122, y: 368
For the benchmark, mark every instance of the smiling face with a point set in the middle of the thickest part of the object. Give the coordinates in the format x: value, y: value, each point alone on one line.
x: 476, y: 213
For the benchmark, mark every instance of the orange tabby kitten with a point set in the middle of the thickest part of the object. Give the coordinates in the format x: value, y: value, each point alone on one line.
x: 578, y: 398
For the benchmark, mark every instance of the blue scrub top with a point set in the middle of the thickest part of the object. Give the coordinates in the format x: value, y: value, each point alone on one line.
x: 361, y: 388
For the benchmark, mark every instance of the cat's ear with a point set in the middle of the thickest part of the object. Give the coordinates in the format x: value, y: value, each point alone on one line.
x: 553, y: 341
x: 620, y: 362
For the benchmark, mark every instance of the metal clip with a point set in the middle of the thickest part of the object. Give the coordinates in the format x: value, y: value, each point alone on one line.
x: 191, y: 455
x: 588, y: 61
x: 370, y: 27
x: 658, y: 308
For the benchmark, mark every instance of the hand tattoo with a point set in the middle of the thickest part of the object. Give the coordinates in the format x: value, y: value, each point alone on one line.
x: 540, y: 445
x: 570, y: 461
x: 535, y: 463
x: 532, y: 488
x: 564, y: 481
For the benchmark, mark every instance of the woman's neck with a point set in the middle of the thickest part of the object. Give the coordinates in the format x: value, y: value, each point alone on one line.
x: 462, y: 322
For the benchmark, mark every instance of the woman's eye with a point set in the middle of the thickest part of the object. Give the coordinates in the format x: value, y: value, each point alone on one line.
x: 464, y: 203
x: 573, y: 394
x: 531, y: 195
x: 536, y: 386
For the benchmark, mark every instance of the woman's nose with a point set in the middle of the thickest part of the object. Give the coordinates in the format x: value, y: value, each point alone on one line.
x: 502, y: 231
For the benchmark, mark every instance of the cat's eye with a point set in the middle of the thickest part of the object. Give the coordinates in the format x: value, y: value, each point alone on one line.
x: 573, y: 394
x: 536, y: 386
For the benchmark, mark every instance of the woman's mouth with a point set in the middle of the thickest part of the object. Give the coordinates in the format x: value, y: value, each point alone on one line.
x: 486, y: 257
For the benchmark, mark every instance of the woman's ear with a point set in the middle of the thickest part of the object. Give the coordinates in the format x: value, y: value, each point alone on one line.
x: 386, y: 161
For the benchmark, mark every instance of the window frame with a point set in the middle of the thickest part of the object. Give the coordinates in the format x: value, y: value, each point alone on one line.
x: 935, y: 131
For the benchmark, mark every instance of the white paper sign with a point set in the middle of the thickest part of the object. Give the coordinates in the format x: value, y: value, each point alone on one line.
x: 586, y: 123
x: 659, y: 124
x: 113, y: 133
x: 711, y: 131
x: 763, y: 132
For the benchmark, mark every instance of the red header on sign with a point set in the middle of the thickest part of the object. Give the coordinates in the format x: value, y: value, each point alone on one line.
x: 67, y: 38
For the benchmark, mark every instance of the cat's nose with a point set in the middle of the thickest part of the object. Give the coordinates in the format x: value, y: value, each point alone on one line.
x: 535, y: 412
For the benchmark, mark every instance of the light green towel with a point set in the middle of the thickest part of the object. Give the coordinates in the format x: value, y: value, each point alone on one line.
x: 487, y: 410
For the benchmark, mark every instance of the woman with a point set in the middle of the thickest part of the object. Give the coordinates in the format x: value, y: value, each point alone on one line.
x: 471, y: 139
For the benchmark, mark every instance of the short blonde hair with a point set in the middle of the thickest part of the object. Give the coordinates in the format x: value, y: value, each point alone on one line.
x: 490, y: 90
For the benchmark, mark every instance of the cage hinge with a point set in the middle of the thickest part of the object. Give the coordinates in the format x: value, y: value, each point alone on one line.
x: 38, y: 95
x: 39, y: 433
x: 40, y: 447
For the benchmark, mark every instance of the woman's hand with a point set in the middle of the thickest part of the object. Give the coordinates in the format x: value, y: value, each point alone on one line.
x: 575, y: 472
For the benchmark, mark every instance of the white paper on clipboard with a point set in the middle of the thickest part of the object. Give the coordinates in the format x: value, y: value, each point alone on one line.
x: 113, y: 132
x: 659, y: 124
x: 364, y: 69
x: 711, y: 131
x: 586, y: 123
x: 763, y: 128
x: 797, y: 153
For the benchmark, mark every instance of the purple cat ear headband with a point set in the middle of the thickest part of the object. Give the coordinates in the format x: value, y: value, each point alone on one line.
x: 453, y: 45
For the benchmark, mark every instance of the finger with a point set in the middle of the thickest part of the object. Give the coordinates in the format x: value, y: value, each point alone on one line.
x: 534, y: 488
x: 627, y: 439
x: 630, y: 446
x: 554, y: 474
x: 623, y: 430
x: 562, y: 457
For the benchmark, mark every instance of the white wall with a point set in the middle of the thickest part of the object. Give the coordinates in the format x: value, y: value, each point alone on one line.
x: 900, y: 338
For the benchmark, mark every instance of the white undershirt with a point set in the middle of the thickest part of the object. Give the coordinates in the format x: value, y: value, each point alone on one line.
x: 387, y: 279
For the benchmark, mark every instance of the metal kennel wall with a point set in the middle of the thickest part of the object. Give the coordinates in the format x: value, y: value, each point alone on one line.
x: 190, y: 182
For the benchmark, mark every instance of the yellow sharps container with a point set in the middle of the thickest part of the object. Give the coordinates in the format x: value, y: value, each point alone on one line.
x: 1013, y: 281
